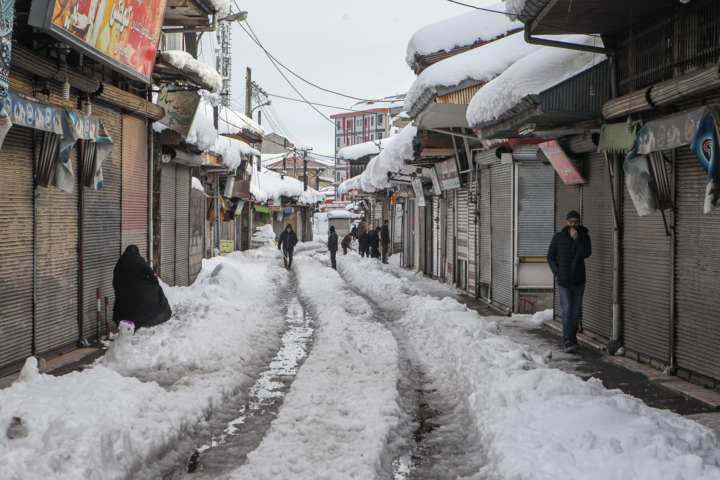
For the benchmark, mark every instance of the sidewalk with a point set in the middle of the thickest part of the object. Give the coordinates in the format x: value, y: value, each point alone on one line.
x: 72, y: 361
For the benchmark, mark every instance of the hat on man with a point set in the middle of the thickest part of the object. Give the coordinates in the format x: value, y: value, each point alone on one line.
x: 572, y: 214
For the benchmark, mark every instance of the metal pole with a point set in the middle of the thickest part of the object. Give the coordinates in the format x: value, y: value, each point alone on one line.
x: 107, y: 321
x: 99, y: 311
x: 248, y: 93
x: 151, y: 189
x: 216, y: 215
x: 617, y: 248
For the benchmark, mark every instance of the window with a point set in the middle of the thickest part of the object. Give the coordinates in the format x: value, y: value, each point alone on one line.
x: 380, y: 135
x: 372, y: 121
x: 372, y: 136
x: 339, y: 124
x: 338, y: 142
x: 358, y: 140
x: 359, y: 122
x: 380, y: 119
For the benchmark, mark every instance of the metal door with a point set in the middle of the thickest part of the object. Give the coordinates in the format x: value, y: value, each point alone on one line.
x: 450, y: 236
x: 428, y: 236
x: 472, y: 223
x: 197, y: 219
x: 135, y: 184
x: 182, y: 226
x: 535, y: 216
x: 168, y: 241
x: 435, y: 235
x: 485, y: 230
x: 501, y: 202
x: 462, y: 237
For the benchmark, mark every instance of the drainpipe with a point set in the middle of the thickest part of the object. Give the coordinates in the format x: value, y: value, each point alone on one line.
x: 568, y: 46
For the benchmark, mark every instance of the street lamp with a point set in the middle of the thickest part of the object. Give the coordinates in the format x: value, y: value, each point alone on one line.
x: 240, y: 17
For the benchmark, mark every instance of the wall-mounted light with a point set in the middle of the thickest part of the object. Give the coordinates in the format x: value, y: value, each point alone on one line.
x: 526, y: 130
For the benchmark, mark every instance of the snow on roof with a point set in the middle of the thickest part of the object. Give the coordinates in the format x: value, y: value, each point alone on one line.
x: 480, y: 64
x: 231, y: 150
x: 197, y: 184
x: 268, y: 185
x: 222, y: 7
x: 360, y: 150
x: 229, y: 121
x: 338, y: 214
x: 392, y: 159
x: 202, y: 132
x: 459, y: 31
x: 395, y: 101
x: 185, y: 61
x: 531, y: 75
x: 515, y: 6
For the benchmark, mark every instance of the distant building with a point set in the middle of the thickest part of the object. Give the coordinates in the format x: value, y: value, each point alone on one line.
x: 275, y: 144
x: 294, y: 166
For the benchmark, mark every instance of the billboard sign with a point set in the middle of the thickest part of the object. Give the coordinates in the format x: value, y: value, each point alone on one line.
x: 180, y: 107
x: 561, y: 163
x: 448, y: 173
x: 122, y: 34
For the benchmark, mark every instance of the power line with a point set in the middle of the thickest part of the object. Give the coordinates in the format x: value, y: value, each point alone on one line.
x: 318, y: 104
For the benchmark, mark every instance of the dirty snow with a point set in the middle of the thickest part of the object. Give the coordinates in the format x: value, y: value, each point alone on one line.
x: 481, y: 64
x: 184, y: 61
x: 459, y: 31
x: 531, y: 75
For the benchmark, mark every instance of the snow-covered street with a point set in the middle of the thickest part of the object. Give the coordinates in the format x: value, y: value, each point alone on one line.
x: 323, y: 374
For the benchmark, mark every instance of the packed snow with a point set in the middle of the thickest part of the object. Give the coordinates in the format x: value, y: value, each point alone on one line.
x: 459, y: 31
x: 360, y: 150
x: 266, y: 185
x: 533, y: 421
x: 481, y: 64
x: 184, y: 61
x: 120, y: 417
x: 202, y: 132
x: 197, y: 184
x: 338, y: 418
x: 531, y: 75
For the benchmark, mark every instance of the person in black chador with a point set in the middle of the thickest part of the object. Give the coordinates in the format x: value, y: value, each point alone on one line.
x: 333, y: 246
x: 139, y: 297
x: 375, y: 243
x: 287, y: 241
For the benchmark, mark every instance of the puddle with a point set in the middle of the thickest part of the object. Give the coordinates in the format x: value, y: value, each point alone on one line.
x: 244, y: 425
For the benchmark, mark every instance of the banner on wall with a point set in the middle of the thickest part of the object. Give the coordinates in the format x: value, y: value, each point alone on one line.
x: 419, y: 195
x: 180, y: 108
x: 561, y: 163
x: 122, y: 34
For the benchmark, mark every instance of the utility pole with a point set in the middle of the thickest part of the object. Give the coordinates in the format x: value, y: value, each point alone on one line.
x: 248, y: 93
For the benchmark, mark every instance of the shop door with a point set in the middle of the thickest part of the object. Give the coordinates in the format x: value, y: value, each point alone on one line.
x: 135, y: 184
x: 182, y: 226
x: 168, y: 241
x: 501, y: 201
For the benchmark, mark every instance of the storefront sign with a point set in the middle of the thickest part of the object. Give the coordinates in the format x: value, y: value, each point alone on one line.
x: 435, y: 181
x: 239, y: 209
x: 448, y: 174
x: 561, y: 163
x: 123, y: 34
x: 7, y: 16
x: 180, y: 108
x: 417, y: 186
x: 226, y: 246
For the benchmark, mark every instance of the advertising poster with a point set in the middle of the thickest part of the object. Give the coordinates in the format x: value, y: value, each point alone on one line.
x: 418, y: 188
x: 435, y: 181
x: 118, y: 32
x: 448, y: 173
x: 180, y: 107
x: 561, y: 163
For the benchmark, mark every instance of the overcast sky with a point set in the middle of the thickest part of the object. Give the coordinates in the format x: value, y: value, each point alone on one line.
x: 352, y: 47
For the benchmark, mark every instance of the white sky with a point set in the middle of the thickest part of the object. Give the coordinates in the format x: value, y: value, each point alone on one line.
x: 353, y: 47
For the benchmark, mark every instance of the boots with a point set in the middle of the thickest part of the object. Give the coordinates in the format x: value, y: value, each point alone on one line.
x: 289, y: 264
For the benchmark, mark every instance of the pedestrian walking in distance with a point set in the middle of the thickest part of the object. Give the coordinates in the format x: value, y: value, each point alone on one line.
x: 333, y: 246
x: 566, y: 256
x: 287, y: 241
x: 346, y: 243
x: 375, y: 243
x: 385, y: 239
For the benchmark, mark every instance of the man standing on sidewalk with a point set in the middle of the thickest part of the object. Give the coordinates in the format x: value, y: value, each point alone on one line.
x: 385, y: 239
x: 566, y: 256
x: 333, y: 246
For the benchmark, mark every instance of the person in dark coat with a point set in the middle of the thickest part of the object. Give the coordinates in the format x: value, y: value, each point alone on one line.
x: 566, y: 256
x: 346, y: 243
x: 353, y: 232
x: 287, y: 241
x: 385, y: 240
x: 333, y: 246
x: 375, y: 243
x: 139, y: 298
x: 364, y: 244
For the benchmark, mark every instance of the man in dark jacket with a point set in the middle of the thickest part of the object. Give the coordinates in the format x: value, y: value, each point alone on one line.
x: 333, y: 246
x: 287, y: 241
x: 375, y: 243
x: 385, y: 238
x: 346, y: 243
x: 566, y: 256
x: 364, y: 243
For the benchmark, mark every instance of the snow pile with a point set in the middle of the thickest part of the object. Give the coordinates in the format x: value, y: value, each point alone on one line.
x: 267, y: 185
x: 459, y: 31
x: 265, y: 234
x: 197, y: 185
x: 202, y: 132
x: 536, y: 422
x: 531, y: 75
x: 320, y: 227
x: 222, y: 7
x: 231, y: 150
x: 353, y: 183
x: 113, y: 420
x: 229, y: 121
x: 544, y: 316
x: 355, y: 152
x: 481, y: 64
x: 340, y: 415
x: 514, y: 6
x: 184, y: 61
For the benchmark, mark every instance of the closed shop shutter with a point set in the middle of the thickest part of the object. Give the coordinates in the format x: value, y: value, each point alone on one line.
x: 436, y: 235
x: 197, y: 218
x: 697, y: 257
x: 450, y: 236
x: 485, y: 228
x: 135, y: 184
x: 462, y: 237
x: 501, y: 202
x: 646, y: 283
x: 167, y: 223
x: 16, y: 246
x: 418, y: 229
x: 182, y: 226
x: 56, y: 310
x: 377, y: 218
x: 472, y: 238
x: 597, y: 217
x: 536, y: 201
x: 102, y: 225
x: 567, y: 197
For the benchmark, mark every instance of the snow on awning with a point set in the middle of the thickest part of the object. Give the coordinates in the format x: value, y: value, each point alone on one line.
x: 268, y: 185
x: 356, y: 152
x: 460, y: 31
x: 473, y: 67
x: 184, y: 61
x: 531, y: 75
x: 229, y: 121
x: 231, y: 151
x: 202, y: 132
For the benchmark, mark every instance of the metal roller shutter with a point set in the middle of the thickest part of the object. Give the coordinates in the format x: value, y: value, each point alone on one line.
x: 56, y: 309
x: 696, y: 264
x: 646, y: 283
x: 168, y: 241
x: 472, y: 238
x: 462, y: 235
x: 16, y: 247
x: 135, y: 184
x: 485, y: 227
x: 567, y: 197
x: 597, y: 217
x: 435, y: 235
x: 182, y: 226
x: 450, y: 236
x: 536, y: 200
x: 377, y: 215
x: 501, y: 202
x: 102, y: 226
x: 418, y: 229
x: 197, y: 217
